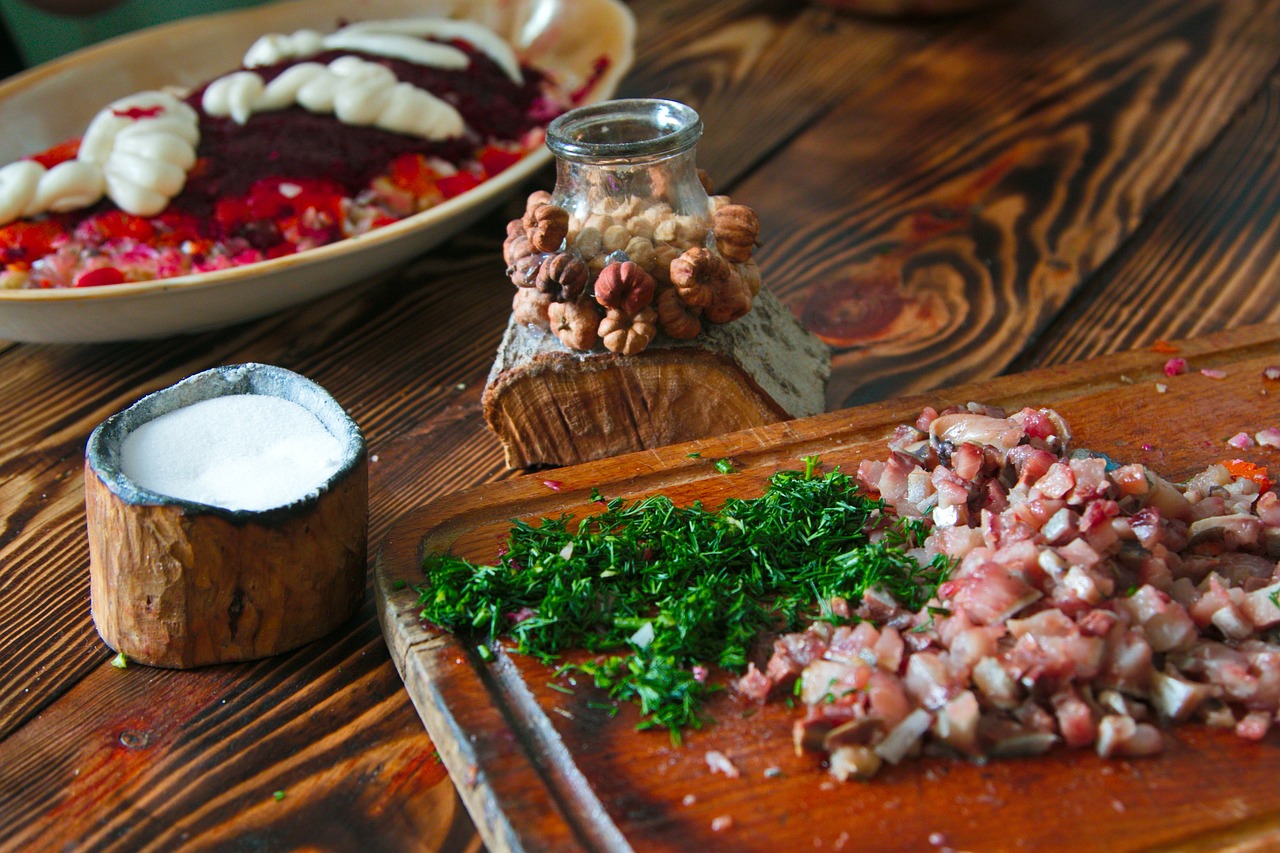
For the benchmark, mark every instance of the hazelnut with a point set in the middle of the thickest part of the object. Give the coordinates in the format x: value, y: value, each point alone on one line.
x: 620, y: 209
x: 665, y: 230
x: 599, y: 221
x: 690, y: 231
x: 615, y: 238
x: 641, y: 226
x: 642, y: 252
x: 589, y: 241
x: 664, y: 255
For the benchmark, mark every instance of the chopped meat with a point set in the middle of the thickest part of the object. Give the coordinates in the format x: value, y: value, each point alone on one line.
x: 1089, y: 602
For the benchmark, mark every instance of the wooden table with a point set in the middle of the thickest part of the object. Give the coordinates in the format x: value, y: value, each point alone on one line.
x: 943, y: 202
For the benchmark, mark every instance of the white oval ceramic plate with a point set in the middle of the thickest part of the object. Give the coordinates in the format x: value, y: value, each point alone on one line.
x: 55, y: 102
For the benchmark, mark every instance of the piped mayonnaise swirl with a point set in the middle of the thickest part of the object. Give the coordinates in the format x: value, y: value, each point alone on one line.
x: 137, y: 152
x: 356, y: 91
x: 399, y: 39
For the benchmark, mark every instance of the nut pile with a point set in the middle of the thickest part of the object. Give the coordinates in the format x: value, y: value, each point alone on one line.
x: 620, y: 276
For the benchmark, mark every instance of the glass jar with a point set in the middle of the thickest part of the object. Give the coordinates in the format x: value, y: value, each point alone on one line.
x: 626, y: 174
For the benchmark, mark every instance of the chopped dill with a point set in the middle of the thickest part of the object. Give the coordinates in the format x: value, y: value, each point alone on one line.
x: 656, y: 590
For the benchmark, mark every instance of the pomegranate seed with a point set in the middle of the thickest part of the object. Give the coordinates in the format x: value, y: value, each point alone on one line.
x: 100, y: 276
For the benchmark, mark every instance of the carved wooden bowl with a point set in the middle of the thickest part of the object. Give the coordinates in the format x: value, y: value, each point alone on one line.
x: 176, y: 583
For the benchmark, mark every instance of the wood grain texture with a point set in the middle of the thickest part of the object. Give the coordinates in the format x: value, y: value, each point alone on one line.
x: 1103, y: 126
x: 174, y: 588
x: 758, y: 73
x: 551, y: 769
x: 551, y: 405
x: 984, y: 177
x: 1209, y: 261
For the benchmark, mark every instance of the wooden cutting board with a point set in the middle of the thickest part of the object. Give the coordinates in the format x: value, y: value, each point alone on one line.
x: 544, y: 770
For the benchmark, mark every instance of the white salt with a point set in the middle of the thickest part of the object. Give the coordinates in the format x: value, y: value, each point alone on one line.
x: 240, y: 452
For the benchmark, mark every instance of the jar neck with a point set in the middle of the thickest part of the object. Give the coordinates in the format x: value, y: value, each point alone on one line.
x: 635, y: 131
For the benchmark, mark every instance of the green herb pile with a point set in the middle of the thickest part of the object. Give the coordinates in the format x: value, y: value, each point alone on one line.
x: 663, y: 589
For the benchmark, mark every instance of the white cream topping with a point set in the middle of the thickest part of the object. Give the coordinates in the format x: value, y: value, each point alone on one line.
x: 140, y: 161
x: 136, y: 152
x: 356, y: 91
x: 398, y: 39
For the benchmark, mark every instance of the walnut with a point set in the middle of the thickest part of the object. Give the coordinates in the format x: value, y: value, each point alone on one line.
x: 698, y: 274
x: 516, y: 247
x: 575, y: 323
x: 524, y: 272
x: 624, y: 286
x: 626, y: 333
x: 515, y: 228
x: 522, y: 261
x: 546, y: 226
x: 732, y: 300
x: 677, y: 319
x: 536, y: 198
x: 530, y: 308
x: 736, y: 228
x: 563, y: 277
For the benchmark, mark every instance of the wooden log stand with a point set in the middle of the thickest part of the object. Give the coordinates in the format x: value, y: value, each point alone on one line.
x: 552, y: 406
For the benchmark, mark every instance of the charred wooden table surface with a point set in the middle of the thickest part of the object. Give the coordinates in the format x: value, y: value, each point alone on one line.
x: 942, y: 202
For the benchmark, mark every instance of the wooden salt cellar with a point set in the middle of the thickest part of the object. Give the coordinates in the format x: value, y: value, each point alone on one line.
x: 179, y: 584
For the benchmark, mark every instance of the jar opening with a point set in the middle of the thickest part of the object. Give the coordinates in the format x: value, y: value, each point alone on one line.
x: 624, y: 131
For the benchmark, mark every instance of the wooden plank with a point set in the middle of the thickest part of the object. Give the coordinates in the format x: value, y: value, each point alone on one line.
x: 141, y: 758
x: 520, y: 749
x: 967, y: 192
x: 396, y: 353
x: 356, y: 344
x: 1209, y: 261
x: 796, y: 61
